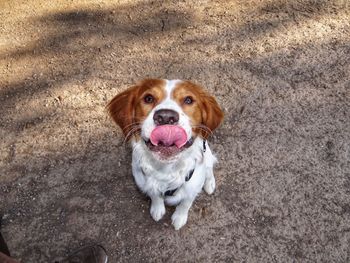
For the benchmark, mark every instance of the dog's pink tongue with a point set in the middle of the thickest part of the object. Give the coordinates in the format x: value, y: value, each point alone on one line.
x: 169, y: 135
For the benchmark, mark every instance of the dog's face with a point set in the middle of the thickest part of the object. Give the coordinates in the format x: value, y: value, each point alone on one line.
x: 167, y: 115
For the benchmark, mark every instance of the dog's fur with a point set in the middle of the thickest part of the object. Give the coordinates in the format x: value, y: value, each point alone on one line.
x: 154, y: 173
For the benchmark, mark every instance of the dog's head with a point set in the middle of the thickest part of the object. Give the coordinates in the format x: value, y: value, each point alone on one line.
x: 165, y: 115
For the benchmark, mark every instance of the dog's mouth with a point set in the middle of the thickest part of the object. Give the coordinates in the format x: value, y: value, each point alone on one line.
x: 167, y: 152
x: 167, y: 141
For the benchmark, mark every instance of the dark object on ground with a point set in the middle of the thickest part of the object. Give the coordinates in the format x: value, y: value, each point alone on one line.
x: 89, y: 254
x: 3, y: 246
x: 4, y: 251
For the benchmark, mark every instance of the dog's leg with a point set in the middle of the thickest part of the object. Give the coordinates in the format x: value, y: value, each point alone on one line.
x: 209, y: 161
x: 179, y: 218
x: 157, y: 207
x: 209, y: 185
x: 157, y: 202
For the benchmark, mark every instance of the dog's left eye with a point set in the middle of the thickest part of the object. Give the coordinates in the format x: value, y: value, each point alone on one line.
x: 188, y: 100
x: 148, y: 98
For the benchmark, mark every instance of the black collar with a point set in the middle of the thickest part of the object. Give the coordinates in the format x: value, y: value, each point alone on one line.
x: 187, y: 178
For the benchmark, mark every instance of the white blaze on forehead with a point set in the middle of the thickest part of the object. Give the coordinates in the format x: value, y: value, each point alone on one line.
x: 170, y: 104
x: 170, y: 86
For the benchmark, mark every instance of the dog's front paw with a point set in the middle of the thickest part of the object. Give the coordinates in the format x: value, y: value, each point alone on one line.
x: 209, y: 186
x: 157, y: 211
x: 179, y: 220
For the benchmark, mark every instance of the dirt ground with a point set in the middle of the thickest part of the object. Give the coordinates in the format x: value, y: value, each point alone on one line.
x: 281, y: 71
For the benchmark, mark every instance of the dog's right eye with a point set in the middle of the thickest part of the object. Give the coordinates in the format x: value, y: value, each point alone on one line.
x: 148, y: 99
x: 188, y: 100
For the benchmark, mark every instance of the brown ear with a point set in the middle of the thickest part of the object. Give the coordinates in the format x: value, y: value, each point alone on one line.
x: 212, y: 115
x: 121, y: 109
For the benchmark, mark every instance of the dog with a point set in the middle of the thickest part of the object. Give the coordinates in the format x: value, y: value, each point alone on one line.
x: 168, y: 123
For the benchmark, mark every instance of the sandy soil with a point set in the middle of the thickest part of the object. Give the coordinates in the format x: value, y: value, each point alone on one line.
x: 280, y: 69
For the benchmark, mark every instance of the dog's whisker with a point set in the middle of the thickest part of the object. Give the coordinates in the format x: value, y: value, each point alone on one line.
x: 131, y: 125
x: 133, y: 128
x: 204, y: 129
x: 131, y: 132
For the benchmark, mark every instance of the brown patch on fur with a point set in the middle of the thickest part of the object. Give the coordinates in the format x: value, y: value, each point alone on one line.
x: 128, y: 109
x: 204, y: 111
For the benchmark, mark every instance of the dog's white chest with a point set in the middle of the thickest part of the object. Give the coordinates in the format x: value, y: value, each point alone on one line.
x: 154, y: 176
x: 165, y: 178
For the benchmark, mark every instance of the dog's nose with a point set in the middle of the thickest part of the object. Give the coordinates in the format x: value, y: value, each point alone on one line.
x: 162, y: 117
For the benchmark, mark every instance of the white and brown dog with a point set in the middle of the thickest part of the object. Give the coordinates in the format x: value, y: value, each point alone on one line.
x: 168, y: 122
